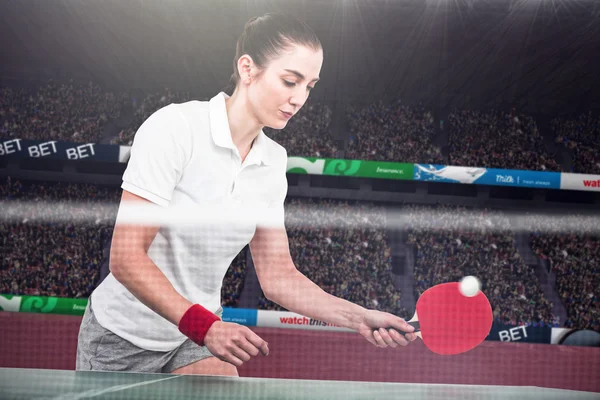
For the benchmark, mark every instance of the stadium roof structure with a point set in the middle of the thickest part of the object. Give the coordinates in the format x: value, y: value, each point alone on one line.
x: 541, y: 56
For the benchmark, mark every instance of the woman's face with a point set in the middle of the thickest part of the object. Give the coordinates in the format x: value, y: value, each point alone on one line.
x: 283, y: 87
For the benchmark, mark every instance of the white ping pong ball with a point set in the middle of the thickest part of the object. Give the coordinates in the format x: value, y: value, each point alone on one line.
x: 469, y: 286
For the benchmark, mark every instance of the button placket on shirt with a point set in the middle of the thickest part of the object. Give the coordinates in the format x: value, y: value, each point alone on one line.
x: 235, y: 162
x: 238, y: 168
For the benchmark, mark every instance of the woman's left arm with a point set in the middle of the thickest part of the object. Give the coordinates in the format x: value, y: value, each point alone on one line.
x: 283, y: 284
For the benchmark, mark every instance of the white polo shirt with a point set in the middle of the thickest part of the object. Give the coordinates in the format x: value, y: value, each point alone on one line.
x: 182, y: 156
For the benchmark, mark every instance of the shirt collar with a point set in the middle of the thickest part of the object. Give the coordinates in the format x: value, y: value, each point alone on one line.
x: 221, y: 134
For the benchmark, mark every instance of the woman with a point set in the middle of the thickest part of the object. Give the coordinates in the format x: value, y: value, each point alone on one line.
x: 159, y: 309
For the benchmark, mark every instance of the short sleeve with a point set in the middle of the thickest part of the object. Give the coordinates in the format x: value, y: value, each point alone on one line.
x: 159, y: 154
x: 281, y: 189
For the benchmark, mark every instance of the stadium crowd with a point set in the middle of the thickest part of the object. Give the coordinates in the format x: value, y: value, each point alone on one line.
x: 352, y: 262
x: 60, y: 256
x: 350, y: 258
x: 392, y: 132
x: 574, y: 256
x: 58, y: 111
x: 305, y: 135
x: 496, y: 139
x: 51, y: 247
x: 452, y: 242
x: 234, y: 280
x: 582, y: 136
x: 342, y: 248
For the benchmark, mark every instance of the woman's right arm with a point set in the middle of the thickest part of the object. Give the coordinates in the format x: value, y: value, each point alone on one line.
x: 133, y: 268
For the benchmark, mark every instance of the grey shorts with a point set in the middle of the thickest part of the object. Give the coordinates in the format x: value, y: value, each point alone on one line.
x: 98, y: 349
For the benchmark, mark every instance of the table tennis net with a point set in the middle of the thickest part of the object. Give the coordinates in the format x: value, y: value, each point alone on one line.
x: 379, y: 257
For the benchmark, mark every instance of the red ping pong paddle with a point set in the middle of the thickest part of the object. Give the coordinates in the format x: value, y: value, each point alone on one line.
x: 449, y: 322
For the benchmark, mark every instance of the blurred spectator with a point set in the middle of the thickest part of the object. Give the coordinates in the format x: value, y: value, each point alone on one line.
x: 497, y: 139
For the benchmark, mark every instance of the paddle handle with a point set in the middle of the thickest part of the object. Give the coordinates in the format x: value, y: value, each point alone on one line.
x: 414, y: 324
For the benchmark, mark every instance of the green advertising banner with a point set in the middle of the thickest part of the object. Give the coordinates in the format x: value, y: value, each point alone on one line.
x: 356, y: 168
x: 44, y: 305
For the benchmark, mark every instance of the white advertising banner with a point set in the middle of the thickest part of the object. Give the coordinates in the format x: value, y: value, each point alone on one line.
x: 288, y: 320
x: 580, y: 182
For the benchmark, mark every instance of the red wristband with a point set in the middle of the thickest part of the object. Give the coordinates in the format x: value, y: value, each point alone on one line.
x: 196, y: 321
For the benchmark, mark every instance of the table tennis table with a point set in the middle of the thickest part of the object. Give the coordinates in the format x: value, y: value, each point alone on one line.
x: 73, y: 385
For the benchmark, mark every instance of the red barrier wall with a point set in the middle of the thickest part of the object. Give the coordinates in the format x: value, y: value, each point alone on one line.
x: 50, y: 341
